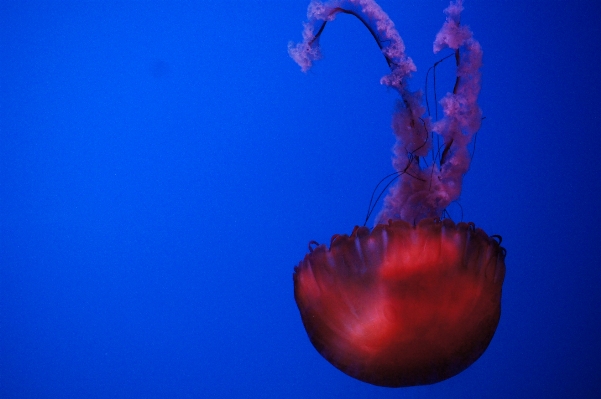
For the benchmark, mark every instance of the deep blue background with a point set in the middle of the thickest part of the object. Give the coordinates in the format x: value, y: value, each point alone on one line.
x: 163, y: 166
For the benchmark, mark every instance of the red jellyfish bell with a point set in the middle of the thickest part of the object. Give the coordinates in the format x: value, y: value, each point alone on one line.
x: 417, y: 299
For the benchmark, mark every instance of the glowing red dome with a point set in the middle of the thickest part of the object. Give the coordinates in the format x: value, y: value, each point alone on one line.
x: 402, y: 305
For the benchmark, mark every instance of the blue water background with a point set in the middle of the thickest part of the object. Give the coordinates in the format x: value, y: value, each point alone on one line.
x: 163, y: 166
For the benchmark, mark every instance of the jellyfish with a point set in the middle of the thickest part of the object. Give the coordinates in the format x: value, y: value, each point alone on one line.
x: 417, y: 298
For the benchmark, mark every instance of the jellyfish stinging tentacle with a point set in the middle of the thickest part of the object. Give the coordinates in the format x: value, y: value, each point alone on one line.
x: 416, y: 299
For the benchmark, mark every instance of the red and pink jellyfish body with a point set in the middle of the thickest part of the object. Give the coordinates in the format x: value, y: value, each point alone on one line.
x: 416, y: 299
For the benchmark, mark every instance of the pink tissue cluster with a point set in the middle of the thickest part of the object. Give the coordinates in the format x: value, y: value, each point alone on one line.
x: 307, y: 51
x: 423, y: 190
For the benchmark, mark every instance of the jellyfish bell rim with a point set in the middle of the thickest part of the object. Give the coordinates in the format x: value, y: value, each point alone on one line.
x: 400, y: 304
